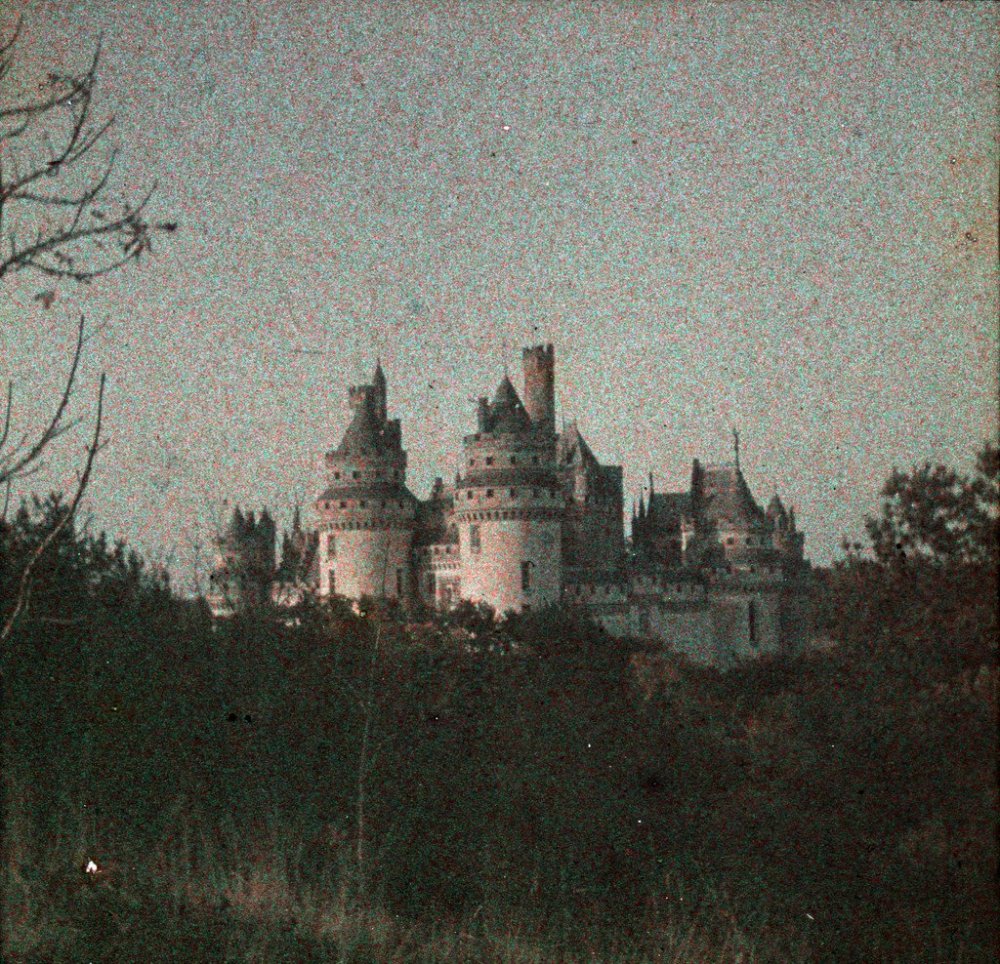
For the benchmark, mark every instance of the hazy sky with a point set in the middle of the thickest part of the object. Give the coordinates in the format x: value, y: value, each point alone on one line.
x: 775, y: 216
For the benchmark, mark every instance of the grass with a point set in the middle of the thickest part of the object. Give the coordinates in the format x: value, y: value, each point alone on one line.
x: 219, y: 896
x: 216, y: 895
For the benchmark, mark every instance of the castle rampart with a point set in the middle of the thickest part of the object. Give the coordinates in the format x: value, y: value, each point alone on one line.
x: 534, y: 518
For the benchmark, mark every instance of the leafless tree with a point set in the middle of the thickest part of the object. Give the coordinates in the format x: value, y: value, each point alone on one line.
x: 59, y: 220
x: 57, y: 215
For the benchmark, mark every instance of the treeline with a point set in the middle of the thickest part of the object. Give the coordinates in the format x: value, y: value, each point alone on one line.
x: 248, y: 788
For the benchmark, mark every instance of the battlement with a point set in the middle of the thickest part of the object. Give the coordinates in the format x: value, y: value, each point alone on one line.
x: 533, y: 518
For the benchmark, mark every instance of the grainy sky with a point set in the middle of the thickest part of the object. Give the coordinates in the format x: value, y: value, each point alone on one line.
x: 775, y: 216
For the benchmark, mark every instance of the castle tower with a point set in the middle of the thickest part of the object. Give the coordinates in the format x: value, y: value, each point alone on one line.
x: 367, y: 515
x: 538, y: 364
x: 509, y: 503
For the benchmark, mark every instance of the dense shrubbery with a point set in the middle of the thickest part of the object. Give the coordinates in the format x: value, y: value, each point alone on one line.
x: 835, y: 804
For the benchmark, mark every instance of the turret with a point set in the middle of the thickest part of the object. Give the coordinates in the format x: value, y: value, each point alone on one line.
x: 508, y: 508
x: 367, y: 514
x: 539, y: 387
x: 776, y: 513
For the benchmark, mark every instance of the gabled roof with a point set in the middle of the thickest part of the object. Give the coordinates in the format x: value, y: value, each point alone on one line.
x: 670, y: 505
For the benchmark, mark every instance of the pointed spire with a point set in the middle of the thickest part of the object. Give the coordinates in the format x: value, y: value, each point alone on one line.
x: 736, y: 448
x: 649, y: 511
x: 642, y: 507
x: 297, y: 519
x: 378, y: 383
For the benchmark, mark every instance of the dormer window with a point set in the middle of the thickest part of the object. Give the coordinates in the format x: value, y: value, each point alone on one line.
x: 336, y: 475
x: 513, y: 460
x: 489, y: 493
x: 355, y: 474
x: 489, y: 459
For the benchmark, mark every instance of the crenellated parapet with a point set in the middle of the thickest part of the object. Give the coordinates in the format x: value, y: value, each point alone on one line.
x: 534, y: 518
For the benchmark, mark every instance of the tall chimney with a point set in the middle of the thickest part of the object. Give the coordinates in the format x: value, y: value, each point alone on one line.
x: 540, y: 387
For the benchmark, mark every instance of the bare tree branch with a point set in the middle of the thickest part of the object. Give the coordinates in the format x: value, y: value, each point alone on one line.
x: 57, y: 219
x: 79, y: 234
x: 24, y: 586
x: 17, y: 463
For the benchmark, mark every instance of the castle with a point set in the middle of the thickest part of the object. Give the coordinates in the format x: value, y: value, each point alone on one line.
x: 533, y: 518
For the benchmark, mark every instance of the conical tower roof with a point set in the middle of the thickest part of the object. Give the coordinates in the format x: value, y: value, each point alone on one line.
x: 364, y: 436
x: 507, y: 413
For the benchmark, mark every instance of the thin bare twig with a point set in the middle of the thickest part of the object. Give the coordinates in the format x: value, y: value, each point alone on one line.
x: 17, y: 465
x: 24, y: 586
x: 79, y: 241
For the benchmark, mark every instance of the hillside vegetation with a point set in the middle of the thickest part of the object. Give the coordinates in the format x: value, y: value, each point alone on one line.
x: 315, y: 785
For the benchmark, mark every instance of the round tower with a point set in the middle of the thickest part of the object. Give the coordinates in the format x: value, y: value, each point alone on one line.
x: 538, y: 364
x: 508, y: 508
x: 367, y: 515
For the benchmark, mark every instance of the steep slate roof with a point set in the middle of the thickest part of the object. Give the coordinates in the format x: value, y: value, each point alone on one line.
x: 725, y: 496
x: 507, y: 414
x: 776, y: 510
x: 364, y: 436
x: 572, y: 448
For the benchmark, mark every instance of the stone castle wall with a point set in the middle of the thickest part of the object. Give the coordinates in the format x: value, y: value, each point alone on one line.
x: 366, y: 561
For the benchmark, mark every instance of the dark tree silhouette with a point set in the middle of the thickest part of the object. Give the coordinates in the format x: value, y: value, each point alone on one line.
x: 937, y: 515
x: 58, y: 219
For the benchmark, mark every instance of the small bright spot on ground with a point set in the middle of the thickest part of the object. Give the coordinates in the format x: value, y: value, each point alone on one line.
x: 91, y: 867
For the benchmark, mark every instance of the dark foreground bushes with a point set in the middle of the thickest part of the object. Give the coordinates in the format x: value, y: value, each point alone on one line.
x: 318, y: 786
